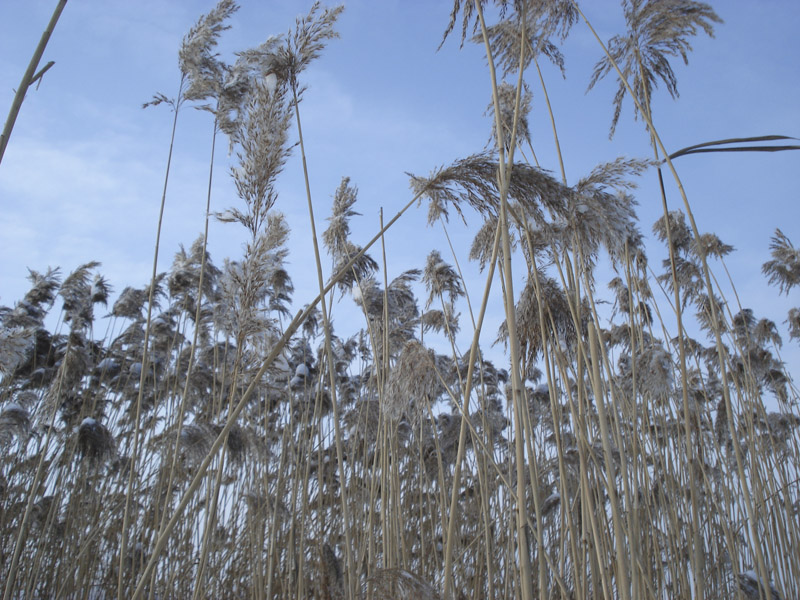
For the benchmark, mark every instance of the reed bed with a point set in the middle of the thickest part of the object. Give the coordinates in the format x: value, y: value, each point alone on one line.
x: 213, y: 443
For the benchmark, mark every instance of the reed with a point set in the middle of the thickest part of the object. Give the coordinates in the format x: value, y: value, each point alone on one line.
x: 637, y: 438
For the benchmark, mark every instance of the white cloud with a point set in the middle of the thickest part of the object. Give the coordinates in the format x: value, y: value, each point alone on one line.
x: 93, y: 199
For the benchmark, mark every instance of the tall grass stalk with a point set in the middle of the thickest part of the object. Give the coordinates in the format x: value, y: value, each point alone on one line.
x: 145, y: 355
x: 290, y: 329
x: 29, y: 77
x: 752, y: 520
x: 503, y: 176
x: 326, y: 324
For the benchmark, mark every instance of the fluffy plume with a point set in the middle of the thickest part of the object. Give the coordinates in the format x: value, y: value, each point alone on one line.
x: 531, y: 25
x: 95, y: 440
x: 79, y: 295
x: 253, y: 72
x: 307, y: 42
x: 131, y: 302
x: 507, y: 99
x: 263, y: 149
x: 336, y: 238
x: 260, y: 279
x: 196, y: 440
x: 183, y: 279
x: 43, y: 287
x: 657, y: 30
x: 196, y: 59
x: 413, y: 382
x: 558, y: 321
x: 473, y: 180
x: 441, y: 280
x: 440, y: 321
x: 794, y: 323
x: 783, y: 269
x: 338, y: 232
x: 483, y: 243
x: 467, y: 7
x: 15, y: 422
x: 15, y: 347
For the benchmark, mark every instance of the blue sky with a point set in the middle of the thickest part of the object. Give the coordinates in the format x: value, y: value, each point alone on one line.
x: 81, y: 179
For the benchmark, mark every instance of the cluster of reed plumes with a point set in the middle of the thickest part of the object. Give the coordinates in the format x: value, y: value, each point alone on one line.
x: 210, y: 445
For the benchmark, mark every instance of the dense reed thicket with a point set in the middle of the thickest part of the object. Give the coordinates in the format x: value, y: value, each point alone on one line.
x: 210, y: 443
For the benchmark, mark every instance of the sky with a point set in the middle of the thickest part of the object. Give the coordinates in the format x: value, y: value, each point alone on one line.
x: 82, y: 177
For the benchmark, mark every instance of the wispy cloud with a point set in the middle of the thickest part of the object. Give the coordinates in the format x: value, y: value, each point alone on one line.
x: 93, y: 199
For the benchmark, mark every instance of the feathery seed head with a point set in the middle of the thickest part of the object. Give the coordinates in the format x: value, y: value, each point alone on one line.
x: 130, y: 303
x: 196, y: 59
x: 196, y: 440
x: 15, y: 422
x: 784, y: 267
x: 412, y: 383
x: 16, y: 345
x: 336, y: 236
x: 308, y: 40
x: 44, y: 286
x: 474, y: 180
x: 708, y: 244
x: 530, y: 31
x: 507, y: 99
x: 252, y: 72
x: 441, y: 280
x: 657, y: 29
x: 679, y: 236
x: 361, y: 270
x: 794, y: 323
x: 560, y: 329
x: 95, y: 441
x: 78, y: 295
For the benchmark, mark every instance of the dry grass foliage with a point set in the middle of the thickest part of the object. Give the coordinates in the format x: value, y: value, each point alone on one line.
x: 639, y: 445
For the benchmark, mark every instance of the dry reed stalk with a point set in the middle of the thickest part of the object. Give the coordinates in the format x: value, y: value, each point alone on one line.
x: 29, y: 77
x: 642, y: 105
